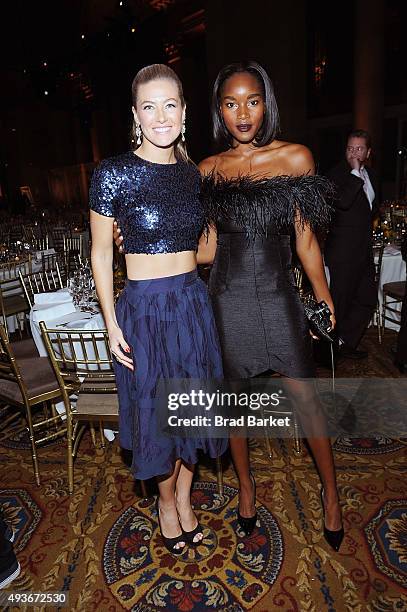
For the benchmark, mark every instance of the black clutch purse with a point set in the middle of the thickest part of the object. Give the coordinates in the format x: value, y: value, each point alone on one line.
x: 318, y: 315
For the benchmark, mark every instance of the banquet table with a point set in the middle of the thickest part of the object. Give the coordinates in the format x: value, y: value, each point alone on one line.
x: 58, y: 311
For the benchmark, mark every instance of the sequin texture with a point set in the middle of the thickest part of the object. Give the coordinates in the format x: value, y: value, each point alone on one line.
x: 157, y: 206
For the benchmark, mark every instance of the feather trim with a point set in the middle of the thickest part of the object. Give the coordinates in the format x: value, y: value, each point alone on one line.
x: 259, y: 204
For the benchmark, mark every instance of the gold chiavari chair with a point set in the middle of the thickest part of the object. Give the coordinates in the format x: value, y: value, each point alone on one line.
x: 28, y: 233
x: 52, y: 261
x: 393, y: 294
x: 378, y: 260
x: 28, y: 384
x: 73, y: 250
x: 12, y: 300
x: 9, y: 270
x: 41, y: 244
x: 40, y: 282
x: 82, y: 363
x: 58, y: 235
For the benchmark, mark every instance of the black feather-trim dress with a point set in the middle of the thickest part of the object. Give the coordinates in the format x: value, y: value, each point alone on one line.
x: 259, y: 315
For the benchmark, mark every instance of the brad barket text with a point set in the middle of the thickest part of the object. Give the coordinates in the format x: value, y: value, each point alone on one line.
x: 247, y: 420
x: 207, y: 401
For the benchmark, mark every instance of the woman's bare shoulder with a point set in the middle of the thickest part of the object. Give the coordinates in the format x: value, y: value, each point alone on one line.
x: 296, y: 158
x: 207, y: 165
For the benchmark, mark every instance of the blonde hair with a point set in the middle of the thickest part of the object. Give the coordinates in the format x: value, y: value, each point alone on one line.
x: 155, y: 72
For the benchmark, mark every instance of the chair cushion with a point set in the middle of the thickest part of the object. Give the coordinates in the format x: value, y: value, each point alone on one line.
x: 14, y: 304
x: 92, y: 405
x: 38, y: 377
x: 24, y: 348
x: 396, y: 290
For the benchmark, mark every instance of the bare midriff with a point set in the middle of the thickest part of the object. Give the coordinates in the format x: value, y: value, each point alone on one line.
x: 141, y: 266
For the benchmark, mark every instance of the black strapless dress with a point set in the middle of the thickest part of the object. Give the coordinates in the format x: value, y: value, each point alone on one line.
x: 259, y: 315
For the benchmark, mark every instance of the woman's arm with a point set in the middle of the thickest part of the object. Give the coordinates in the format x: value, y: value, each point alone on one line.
x: 208, y: 241
x: 207, y: 246
x: 306, y: 243
x: 309, y: 254
x: 102, y: 260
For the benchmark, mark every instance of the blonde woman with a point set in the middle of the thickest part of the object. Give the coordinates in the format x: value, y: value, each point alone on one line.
x: 163, y: 324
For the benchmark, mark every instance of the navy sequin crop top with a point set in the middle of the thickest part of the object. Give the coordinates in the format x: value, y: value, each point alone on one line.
x: 157, y: 206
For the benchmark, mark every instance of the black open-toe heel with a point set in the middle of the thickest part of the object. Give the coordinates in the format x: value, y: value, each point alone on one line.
x: 333, y: 537
x: 247, y: 524
x: 170, y: 543
x: 190, y: 535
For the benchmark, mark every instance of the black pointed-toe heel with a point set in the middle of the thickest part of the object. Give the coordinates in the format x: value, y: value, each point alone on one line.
x: 247, y: 524
x: 170, y: 543
x: 333, y: 537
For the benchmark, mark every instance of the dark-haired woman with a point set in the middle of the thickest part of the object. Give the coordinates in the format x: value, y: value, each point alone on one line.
x: 162, y: 327
x: 257, y: 192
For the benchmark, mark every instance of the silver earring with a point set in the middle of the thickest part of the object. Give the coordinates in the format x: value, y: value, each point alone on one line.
x: 183, y: 130
x: 138, y: 134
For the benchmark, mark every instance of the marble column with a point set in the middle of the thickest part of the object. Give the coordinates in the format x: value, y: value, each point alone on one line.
x: 368, y: 107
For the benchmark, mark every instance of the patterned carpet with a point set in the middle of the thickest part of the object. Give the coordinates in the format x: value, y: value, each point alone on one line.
x: 103, y: 547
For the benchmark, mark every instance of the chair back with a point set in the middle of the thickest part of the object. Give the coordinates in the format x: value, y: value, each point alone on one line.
x: 378, y: 260
x: 41, y: 244
x: 52, y: 261
x: 10, y: 269
x: 73, y: 251
x: 58, y: 235
x: 80, y: 355
x: 9, y: 369
x: 74, y: 244
x: 40, y: 282
x: 300, y: 282
x: 298, y: 277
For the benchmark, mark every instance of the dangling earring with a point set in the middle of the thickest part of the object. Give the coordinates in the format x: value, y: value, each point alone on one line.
x: 138, y: 134
x: 183, y: 129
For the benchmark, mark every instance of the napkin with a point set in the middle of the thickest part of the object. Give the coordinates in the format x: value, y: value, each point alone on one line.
x: 51, y: 306
x: 53, y: 297
x: 39, y: 254
x: 391, y: 250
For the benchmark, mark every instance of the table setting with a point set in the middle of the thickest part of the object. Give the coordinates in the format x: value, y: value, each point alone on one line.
x: 74, y: 307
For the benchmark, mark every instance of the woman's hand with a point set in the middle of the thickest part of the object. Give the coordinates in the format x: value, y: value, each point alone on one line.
x: 119, y: 347
x: 117, y: 236
x: 333, y: 322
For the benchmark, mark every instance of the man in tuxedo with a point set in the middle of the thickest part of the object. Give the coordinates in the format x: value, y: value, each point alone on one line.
x: 348, y: 248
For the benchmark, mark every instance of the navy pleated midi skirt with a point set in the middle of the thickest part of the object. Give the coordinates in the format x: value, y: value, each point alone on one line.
x: 169, y: 325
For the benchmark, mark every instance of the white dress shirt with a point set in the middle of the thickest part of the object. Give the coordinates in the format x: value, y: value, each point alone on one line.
x: 367, y: 185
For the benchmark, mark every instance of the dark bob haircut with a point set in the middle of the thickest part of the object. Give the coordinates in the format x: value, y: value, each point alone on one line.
x: 271, y: 122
